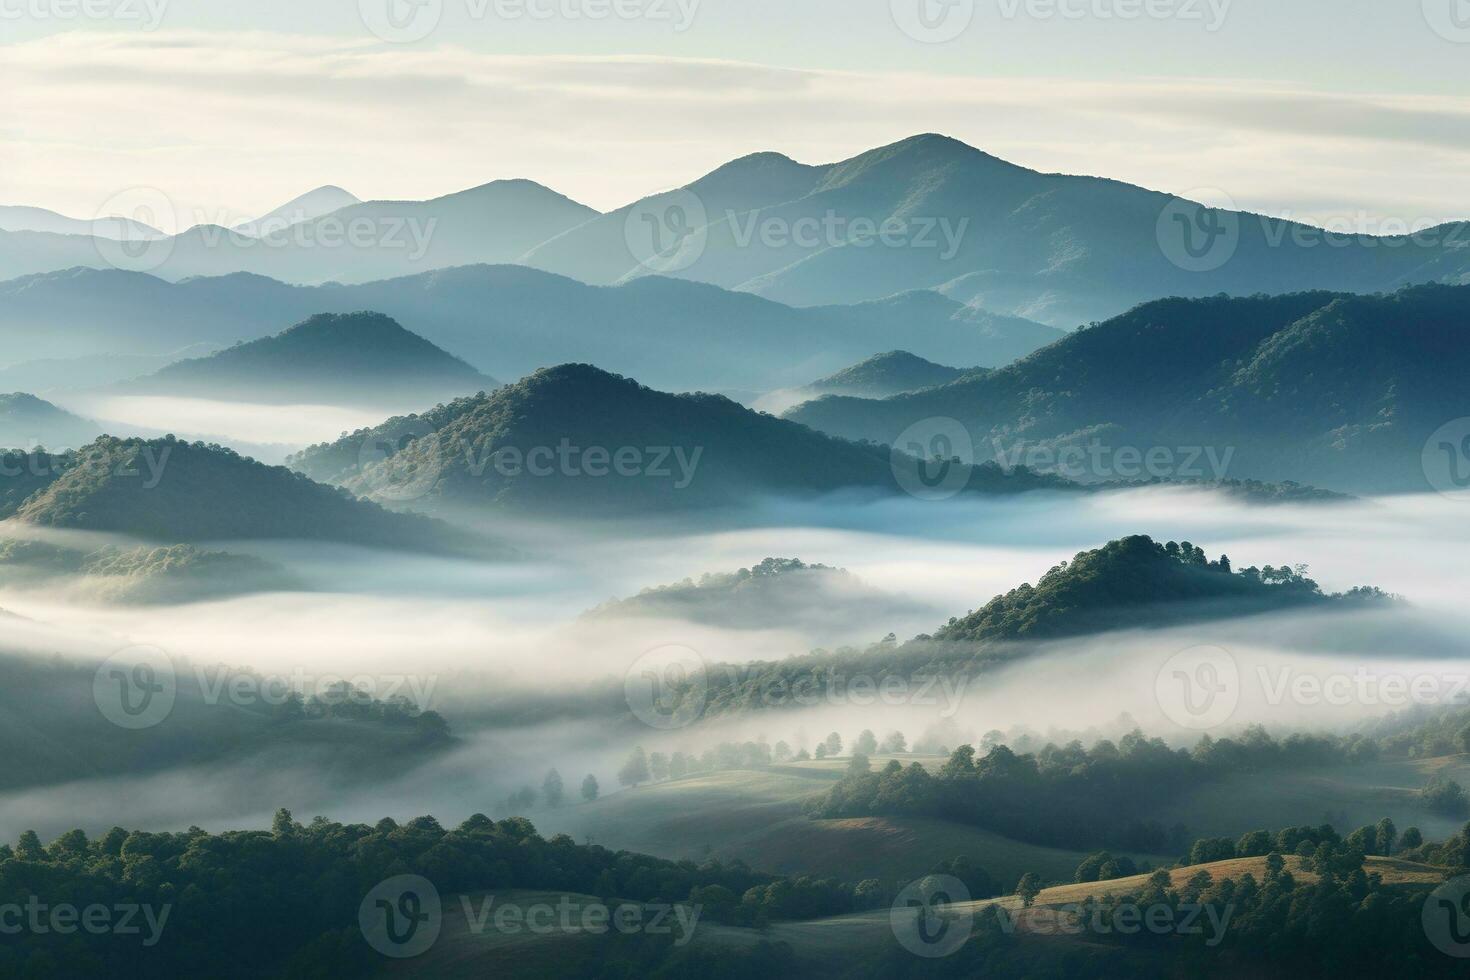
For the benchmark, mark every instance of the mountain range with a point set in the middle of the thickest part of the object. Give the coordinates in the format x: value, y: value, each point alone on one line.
x: 1338, y: 390
x: 512, y: 320
x: 496, y: 222
x: 926, y: 213
x: 363, y: 359
x: 575, y: 439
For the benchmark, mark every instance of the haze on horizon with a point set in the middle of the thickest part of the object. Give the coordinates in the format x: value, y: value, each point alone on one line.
x: 255, y: 110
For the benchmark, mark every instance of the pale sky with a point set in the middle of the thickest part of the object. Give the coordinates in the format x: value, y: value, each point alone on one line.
x: 1346, y: 110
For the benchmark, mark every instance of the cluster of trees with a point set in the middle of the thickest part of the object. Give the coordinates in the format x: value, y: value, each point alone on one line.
x: 1070, y: 796
x: 1307, y: 843
x: 344, y: 702
x: 649, y: 767
x: 284, y: 902
x: 1103, y: 866
x: 1346, y: 923
x: 553, y: 793
x: 772, y: 589
x: 642, y: 766
x: 1445, y: 796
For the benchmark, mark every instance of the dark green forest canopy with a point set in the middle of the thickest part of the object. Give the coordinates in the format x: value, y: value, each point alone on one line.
x: 171, y: 491
x: 690, y: 451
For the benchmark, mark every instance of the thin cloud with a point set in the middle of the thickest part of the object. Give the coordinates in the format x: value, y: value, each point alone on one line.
x: 237, y: 123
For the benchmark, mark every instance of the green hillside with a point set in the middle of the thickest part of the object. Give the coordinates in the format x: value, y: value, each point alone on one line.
x: 575, y: 439
x: 1336, y: 390
x: 170, y: 491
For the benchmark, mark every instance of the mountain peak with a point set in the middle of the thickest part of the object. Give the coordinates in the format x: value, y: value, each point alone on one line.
x: 313, y: 204
x: 358, y: 358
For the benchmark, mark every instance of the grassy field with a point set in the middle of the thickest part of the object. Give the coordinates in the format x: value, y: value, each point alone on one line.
x: 827, y: 947
x: 756, y: 816
x: 1345, y: 796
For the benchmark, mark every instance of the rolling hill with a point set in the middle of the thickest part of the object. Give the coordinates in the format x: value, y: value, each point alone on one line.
x: 1341, y: 391
x: 577, y: 440
x: 168, y: 491
x: 677, y: 335
x: 141, y: 575
x: 16, y: 218
x: 894, y: 373
x: 27, y: 422
x: 356, y: 359
x: 770, y: 594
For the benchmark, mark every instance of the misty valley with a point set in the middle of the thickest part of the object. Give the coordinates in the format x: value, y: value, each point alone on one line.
x: 887, y: 559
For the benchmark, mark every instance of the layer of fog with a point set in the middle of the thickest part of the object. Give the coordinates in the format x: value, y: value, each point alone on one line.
x: 266, y: 432
x: 480, y: 633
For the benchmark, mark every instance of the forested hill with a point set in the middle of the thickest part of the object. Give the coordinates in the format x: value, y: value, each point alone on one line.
x: 1130, y: 583
x: 170, y: 491
x: 1136, y: 580
x: 1335, y: 390
x: 355, y: 358
x: 577, y: 439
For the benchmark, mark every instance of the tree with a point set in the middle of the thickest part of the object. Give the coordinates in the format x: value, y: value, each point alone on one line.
x: 1443, y: 795
x: 833, y: 743
x: 802, y: 756
x: 29, y: 847
x: 1411, y: 838
x: 552, y: 789
x: 1364, y: 839
x: 821, y: 750
x: 589, y: 788
x: 658, y: 764
x: 894, y: 743
x: 783, y: 752
x: 858, y: 765
x: 1387, y: 833
x: 867, y: 743
x: 635, y: 770
x: 1028, y: 888
x: 282, y: 825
